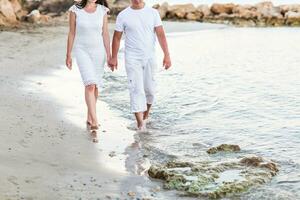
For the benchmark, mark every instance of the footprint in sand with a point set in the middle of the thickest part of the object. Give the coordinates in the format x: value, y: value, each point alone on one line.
x: 13, y: 180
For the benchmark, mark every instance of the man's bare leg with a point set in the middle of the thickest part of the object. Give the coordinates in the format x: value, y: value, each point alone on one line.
x: 139, y: 119
x: 146, y: 113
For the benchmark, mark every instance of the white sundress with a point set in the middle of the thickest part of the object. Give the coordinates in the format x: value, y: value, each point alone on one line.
x: 89, y: 50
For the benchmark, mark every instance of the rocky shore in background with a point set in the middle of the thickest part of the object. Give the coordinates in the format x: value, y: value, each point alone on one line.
x: 18, y: 13
x: 260, y: 14
x: 15, y: 13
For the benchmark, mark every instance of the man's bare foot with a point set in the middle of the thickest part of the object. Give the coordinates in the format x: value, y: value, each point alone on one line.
x: 142, y: 128
x: 146, y: 121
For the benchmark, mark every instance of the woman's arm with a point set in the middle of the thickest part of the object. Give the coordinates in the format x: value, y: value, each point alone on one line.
x: 115, y: 48
x: 71, y: 36
x: 106, y: 39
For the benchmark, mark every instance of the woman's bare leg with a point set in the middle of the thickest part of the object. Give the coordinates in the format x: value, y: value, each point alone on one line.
x: 96, y: 94
x: 91, y: 104
x: 89, y: 117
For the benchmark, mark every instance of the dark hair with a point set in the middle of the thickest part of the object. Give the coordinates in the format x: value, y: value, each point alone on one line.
x: 83, y: 3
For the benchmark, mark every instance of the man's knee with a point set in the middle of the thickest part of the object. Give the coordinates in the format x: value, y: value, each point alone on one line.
x: 150, y: 93
x: 136, y: 89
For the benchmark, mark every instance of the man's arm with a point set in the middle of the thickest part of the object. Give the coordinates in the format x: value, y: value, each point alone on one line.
x: 161, y: 36
x: 115, y: 48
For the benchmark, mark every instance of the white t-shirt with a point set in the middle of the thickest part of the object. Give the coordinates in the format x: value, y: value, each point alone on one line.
x: 138, y: 26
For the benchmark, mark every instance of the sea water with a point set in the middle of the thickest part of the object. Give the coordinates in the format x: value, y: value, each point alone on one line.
x: 227, y: 85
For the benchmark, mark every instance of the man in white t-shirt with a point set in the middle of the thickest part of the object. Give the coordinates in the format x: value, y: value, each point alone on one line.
x: 141, y: 25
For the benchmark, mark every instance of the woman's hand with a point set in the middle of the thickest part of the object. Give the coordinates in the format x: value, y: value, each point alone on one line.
x: 69, y: 62
x: 167, y: 62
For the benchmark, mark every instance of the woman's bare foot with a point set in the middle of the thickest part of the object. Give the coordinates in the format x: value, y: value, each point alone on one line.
x: 94, y: 128
x: 94, y: 134
x: 94, y: 137
x: 88, y: 125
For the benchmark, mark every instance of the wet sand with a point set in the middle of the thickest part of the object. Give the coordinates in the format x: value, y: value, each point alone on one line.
x: 45, y: 149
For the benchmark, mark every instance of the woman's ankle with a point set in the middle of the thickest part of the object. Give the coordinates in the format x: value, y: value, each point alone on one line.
x: 94, y: 123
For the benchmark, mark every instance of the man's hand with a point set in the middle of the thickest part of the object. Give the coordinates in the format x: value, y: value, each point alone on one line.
x: 113, y: 63
x: 167, y: 62
x: 69, y: 62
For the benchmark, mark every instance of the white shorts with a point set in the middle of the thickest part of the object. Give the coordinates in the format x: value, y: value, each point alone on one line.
x: 141, y: 82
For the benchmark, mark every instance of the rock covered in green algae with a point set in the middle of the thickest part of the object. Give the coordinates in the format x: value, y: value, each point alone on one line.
x: 224, y: 148
x: 214, y: 180
x: 259, y: 162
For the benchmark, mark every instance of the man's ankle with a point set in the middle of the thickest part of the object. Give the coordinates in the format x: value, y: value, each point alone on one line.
x: 139, y: 125
x: 145, y: 116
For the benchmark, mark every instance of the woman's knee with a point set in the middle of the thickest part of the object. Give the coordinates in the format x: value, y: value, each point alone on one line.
x: 91, y: 88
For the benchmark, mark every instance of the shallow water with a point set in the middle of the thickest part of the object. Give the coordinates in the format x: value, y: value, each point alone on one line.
x: 228, y: 85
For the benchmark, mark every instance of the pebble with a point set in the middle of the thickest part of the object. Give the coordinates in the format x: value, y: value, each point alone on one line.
x: 112, y: 154
x: 156, y: 189
x: 131, y: 194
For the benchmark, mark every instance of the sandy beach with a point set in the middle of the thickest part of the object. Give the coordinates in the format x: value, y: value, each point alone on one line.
x: 46, y: 151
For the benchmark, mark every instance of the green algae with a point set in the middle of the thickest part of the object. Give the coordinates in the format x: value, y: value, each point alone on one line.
x: 224, y: 148
x: 214, y: 179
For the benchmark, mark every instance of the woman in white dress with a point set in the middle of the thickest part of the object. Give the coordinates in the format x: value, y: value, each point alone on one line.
x: 89, y: 33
